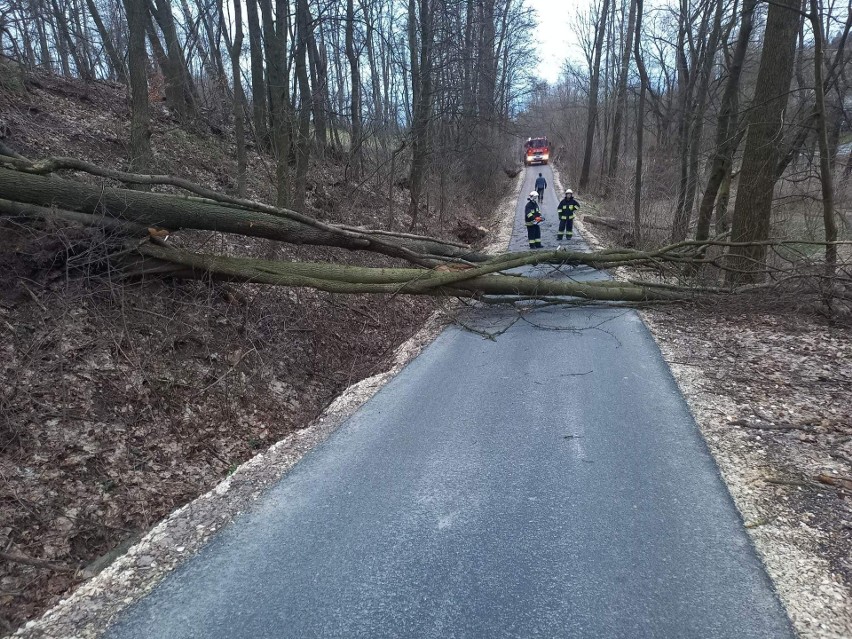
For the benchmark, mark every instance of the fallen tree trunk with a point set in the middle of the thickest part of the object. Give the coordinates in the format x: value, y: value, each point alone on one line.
x: 445, y: 268
x: 341, y: 278
x: 609, y: 222
x: 174, y: 212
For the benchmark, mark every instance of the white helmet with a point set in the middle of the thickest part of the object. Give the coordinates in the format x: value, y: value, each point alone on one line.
x: 569, y: 192
x: 533, y: 195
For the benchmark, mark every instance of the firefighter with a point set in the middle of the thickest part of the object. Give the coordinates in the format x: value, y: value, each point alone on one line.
x: 566, y: 215
x: 540, y: 185
x: 532, y: 219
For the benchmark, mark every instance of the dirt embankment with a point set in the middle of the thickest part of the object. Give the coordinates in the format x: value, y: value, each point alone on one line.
x: 121, y: 401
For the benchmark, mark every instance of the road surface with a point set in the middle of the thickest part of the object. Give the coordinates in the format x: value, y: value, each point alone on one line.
x: 551, y: 483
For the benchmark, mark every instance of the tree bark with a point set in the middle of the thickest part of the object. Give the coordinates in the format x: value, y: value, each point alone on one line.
x: 175, y: 212
x: 339, y: 278
x: 594, y: 84
x: 640, y: 126
x: 275, y: 39
x: 421, y: 55
x: 318, y: 63
x: 375, y: 72
x: 825, y: 164
x: 40, y: 18
x: 140, y: 131
x: 621, y: 99
x: 303, y: 140
x: 753, y: 207
x: 355, y: 93
x: 239, y: 98
x: 258, y: 83
x: 115, y: 62
x: 726, y: 123
x: 697, y: 124
x: 65, y: 43
x: 180, y: 90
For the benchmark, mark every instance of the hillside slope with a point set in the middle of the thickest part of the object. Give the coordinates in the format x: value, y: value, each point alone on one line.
x: 120, y: 401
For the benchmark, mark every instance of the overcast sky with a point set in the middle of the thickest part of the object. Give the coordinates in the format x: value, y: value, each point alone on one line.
x: 556, y: 39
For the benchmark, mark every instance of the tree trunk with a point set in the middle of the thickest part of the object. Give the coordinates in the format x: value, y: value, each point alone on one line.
x: 258, y: 83
x: 594, y: 84
x: 239, y: 98
x: 375, y: 72
x: 180, y: 90
x: 275, y: 37
x: 421, y: 83
x: 115, y: 62
x: 640, y: 126
x: 214, y: 44
x: 698, y: 112
x: 303, y: 141
x: 487, y: 67
x: 825, y: 165
x: 807, y: 125
x: 723, y: 223
x: 65, y: 43
x: 157, y: 46
x: 687, y: 78
x: 753, y: 207
x: 140, y: 132
x: 621, y: 99
x: 318, y: 63
x: 726, y: 123
x: 82, y: 51
x: 40, y: 18
x: 175, y: 213
x: 340, y: 278
x: 355, y: 92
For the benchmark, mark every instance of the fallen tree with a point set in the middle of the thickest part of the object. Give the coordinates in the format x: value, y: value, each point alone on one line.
x: 141, y: 219
x: 218, y: 213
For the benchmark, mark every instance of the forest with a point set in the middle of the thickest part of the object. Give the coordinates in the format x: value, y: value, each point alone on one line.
x: 709, y: 121
x: 224, y: 212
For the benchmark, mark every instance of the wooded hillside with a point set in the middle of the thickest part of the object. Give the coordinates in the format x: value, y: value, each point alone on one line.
x: 213, y: 212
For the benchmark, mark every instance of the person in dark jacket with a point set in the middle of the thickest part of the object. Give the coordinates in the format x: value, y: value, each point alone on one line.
x: 566, y: 210
x: 532, y: 219
x: 540, y: 185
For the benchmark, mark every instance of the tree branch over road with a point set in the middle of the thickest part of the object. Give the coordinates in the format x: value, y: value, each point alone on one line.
x: 435, y: 267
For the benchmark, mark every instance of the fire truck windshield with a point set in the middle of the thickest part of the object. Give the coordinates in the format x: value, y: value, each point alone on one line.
x: 537, y: 143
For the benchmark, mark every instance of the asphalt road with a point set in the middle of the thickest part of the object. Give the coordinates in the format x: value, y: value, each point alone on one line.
x: 551, y: 483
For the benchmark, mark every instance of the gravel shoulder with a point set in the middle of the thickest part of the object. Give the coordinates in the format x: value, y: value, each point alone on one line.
x: 770, y: 392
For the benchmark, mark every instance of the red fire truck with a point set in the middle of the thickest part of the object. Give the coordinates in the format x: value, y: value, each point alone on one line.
x: 536, y: 151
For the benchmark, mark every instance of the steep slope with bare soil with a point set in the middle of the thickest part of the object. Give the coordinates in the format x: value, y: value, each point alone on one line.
x: 121, y: 401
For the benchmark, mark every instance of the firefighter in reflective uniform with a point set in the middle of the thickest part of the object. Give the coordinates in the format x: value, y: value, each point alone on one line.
x: 532, y: 219
x: 566, y: 210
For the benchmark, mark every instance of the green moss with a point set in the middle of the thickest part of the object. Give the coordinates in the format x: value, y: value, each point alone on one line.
x: 11, y: 77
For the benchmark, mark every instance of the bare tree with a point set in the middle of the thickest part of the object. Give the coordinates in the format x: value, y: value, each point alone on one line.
x: 594, y: 87
x: 826, y: 170
x: 140, y: 133
x: 726, y: 125
x: 355, y: 92
x: 758, y: 177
